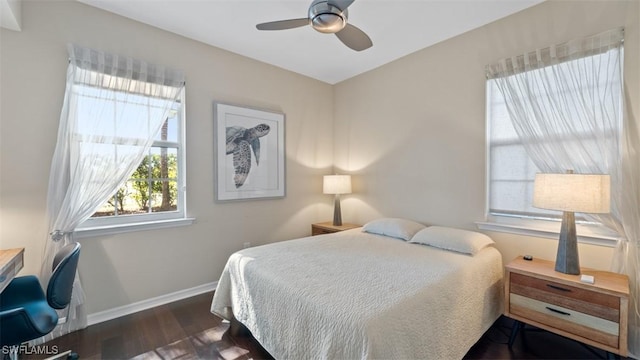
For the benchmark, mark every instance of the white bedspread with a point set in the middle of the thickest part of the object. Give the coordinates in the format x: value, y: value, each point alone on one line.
x: 355, y: 295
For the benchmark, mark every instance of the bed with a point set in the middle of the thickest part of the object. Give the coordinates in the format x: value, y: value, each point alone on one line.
x: 365, y: 295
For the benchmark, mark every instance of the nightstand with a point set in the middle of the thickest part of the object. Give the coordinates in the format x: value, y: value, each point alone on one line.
x: 329, y: 228
x: 594, y: 314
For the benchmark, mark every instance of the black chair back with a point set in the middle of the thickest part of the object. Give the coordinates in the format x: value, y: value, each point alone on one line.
x: 64, y: 268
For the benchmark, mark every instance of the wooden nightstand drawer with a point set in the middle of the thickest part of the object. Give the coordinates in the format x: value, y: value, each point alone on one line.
x: 320, y: 231
x: 585, y: 301
x: 595, y: 314
x: 597, y: 329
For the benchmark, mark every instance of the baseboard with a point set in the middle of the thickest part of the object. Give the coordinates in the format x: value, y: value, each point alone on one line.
x: 119, y: 311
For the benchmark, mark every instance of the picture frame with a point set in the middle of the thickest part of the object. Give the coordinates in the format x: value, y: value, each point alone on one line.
x: 249, y: 153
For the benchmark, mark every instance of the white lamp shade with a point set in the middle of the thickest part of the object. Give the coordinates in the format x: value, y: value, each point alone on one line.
x: 585, y: 193
x: 336, y: 184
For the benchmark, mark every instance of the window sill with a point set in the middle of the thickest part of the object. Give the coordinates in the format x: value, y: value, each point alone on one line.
x: 124, y: 228
x: 594, y: 235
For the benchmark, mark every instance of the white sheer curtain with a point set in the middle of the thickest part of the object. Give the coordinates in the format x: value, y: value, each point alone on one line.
x: 627, y: 257
x: 566, y: 104
x: 113, y: 108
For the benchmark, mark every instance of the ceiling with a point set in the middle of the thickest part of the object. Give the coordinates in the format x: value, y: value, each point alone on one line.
x: 396, y: 27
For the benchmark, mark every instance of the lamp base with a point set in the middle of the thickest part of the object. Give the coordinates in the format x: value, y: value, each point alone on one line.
x: 567, y: 260
x: 337, y: 214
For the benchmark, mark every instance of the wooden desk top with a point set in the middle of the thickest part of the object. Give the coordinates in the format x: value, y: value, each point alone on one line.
x: 11, y: 261
x: 7, y: 255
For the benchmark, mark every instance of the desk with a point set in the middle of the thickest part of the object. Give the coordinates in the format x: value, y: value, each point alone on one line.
x: 11, y: 261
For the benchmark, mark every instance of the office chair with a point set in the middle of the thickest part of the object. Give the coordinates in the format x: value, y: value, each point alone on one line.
x: 26, y: 313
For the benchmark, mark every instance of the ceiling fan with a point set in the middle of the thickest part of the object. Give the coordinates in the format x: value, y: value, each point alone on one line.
x: 329, y: 17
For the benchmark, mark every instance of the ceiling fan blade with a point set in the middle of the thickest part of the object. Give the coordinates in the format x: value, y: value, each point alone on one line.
x: 341, y: 4
x: 354, y: 38
x: 283, y: 24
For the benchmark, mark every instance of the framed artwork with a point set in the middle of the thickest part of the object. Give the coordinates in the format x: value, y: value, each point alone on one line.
x: 249, y: 154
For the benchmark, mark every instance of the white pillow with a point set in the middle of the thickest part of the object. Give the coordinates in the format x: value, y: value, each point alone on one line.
x: 397, y: 228
x: 462, y: 241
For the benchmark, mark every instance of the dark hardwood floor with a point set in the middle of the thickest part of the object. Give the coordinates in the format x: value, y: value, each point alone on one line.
x: 187, y: 330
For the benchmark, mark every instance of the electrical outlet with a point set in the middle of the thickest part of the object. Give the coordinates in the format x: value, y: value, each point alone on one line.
x: 246, y: 245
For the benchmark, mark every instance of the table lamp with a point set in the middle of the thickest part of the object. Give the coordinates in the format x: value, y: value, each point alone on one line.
x: 569, y: 193
x: 336, y: 185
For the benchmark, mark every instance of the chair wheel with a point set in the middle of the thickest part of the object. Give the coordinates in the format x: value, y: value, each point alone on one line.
x: 73, y: 356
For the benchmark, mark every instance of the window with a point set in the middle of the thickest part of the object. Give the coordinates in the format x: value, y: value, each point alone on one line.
x: 511, y: 171
x: 155, y: 191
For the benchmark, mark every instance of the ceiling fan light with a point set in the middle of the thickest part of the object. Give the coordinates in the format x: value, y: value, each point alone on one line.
x: 328, y: 23
x: 327, y: 18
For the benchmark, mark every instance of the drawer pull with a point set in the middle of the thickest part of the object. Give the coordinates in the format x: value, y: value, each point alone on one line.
x: 558, y: 288
x: 557, y: 311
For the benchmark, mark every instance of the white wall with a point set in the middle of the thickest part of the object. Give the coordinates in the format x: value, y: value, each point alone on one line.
x: 118, y: 270
x: 413, y: 131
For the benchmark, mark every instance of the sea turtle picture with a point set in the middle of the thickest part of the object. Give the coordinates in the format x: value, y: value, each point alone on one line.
x: 239, y: 140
